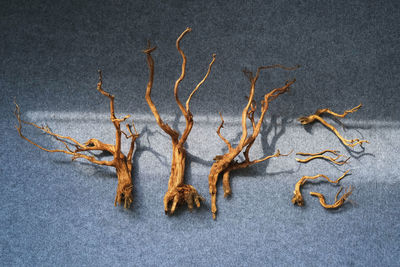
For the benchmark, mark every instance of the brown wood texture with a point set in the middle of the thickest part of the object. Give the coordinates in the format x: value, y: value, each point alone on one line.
x: 317, y: 117
x: 320, y: 155
x: 178, y: 192
x: 122, y: 163
x: 226, y: 163
x: 297, y: 196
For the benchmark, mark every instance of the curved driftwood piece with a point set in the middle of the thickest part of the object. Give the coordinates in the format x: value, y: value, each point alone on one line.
x: 317, y: 116
x: 298, y: 198
x: 338, y: 202
x: 177, y: 192
x: 226, y: 163
x: 122, y: 163
x: 320, y: 155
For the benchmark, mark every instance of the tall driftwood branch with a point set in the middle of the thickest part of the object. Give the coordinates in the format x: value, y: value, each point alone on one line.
x: 298, y: 198
x: 122, y: 163
x: 177, y: 192
x: 317, y: 117
x: 226, y: 163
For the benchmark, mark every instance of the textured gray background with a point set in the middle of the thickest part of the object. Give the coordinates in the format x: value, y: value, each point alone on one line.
x: 54, y: 212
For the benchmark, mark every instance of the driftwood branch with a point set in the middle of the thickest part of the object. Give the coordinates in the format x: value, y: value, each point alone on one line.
x: 178, y: 192
x: 320, y: 155
x: 298, y: 198
x: 120, y: 162
x: 317, y: 117
x: 226, y: 163
x: 338, y: 202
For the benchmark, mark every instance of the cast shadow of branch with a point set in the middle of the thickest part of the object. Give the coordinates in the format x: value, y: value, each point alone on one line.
x: 269, y: 137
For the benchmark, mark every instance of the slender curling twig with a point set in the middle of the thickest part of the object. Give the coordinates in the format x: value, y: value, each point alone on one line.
x: 321, y: 156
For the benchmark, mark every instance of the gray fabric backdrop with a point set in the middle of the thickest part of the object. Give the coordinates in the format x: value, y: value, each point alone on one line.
x: 54, y: 212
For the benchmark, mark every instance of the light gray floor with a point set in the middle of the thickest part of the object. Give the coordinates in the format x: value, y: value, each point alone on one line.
x: 54, y: 212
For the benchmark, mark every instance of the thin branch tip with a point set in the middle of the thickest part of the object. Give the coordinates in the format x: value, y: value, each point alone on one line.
x: 148, y: 51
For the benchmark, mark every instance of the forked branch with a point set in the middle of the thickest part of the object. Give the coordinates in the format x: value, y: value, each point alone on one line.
x: 177, y: 192
x: 122, y: 163
x: 317, y: 116
x: 226, y: 163
x: 68, y: 150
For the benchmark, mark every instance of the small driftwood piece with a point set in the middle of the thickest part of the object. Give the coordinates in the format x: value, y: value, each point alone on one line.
x: 338, y: 202
x: 317, y: 116
x: 320, y: 155
x: 226, y: 163
x: 298, y: 198
x: 122, y: 163
x: 177, y: 192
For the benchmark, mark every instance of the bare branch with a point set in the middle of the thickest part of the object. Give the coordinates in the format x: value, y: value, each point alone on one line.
x: 264, y: 107
x: 220, y: 135
x: 178, y: 191
x: 250, y: 113
x: 319, y: 153
x: 316, y: 116
x: 47, y: 130
x: 321, y: 156
x: 276, y: 155
x: 245, y: 113
x: 114, y: 119
x: 189, y: 116
x: 200, y: 83
x: 182, y: 76
x: 326, y: 110
x: 93, y: 159
x: 110, y: 96
x: 225, y: 163
x: 248, y: 74
x: 298, y: 198
x: 246, y: 163
x: 133, y: 137
x: 122, y: 164
x: 165, y: 127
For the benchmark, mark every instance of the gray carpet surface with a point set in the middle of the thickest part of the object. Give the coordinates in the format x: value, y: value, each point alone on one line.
x: 57, y: 212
